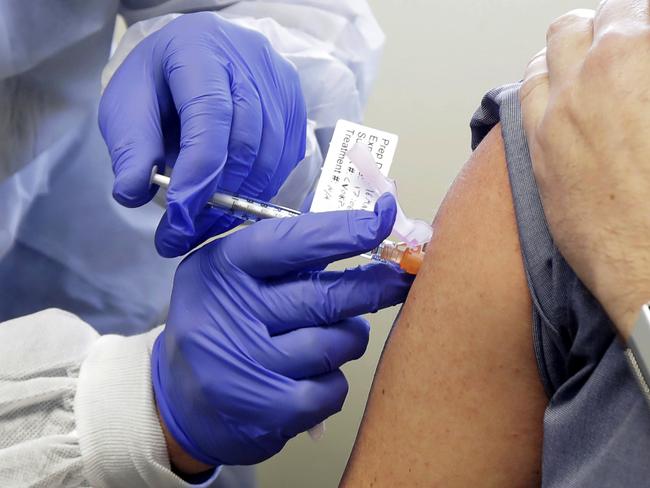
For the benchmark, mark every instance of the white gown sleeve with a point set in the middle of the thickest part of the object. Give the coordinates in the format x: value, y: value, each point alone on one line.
x: 76, y: 408
x: 335, y: 45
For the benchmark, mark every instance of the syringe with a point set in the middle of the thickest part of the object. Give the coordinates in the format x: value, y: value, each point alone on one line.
x: 244, y: 208
x: 252, y: 210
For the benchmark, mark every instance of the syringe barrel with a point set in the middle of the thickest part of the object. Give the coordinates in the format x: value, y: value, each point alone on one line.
x: 250, y: 209
x: 243, y: 208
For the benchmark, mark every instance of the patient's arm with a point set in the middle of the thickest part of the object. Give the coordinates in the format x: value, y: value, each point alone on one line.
x: 457, y: 400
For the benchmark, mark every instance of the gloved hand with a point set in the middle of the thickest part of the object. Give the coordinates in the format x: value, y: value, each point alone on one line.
x: 256, y: 335
x: 216, y: 102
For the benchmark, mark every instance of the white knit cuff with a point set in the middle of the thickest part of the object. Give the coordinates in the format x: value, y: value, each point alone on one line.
x: 120, y: 437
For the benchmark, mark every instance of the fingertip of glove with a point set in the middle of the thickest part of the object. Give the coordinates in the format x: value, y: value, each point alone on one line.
x: 168, y: 243
x: 369, y: 229
x: 395, y: 283
x: 128, y: 199
x: 399, y: 284
x: 386, y: 206
x: 361, y: 332
x: 165, y: 251
x: 386, y: 213
x: 129, y: 192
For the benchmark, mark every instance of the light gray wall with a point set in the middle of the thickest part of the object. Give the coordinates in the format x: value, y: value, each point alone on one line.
x: 440, y: 58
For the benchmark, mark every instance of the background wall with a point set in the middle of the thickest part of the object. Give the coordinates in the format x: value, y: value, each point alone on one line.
x: 440, y: 58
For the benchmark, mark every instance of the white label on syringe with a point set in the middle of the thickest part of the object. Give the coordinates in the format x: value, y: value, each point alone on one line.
x: 340, y: 186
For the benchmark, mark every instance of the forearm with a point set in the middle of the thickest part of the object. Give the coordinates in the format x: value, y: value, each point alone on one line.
x: 78, y: 408
x: 180, y: 460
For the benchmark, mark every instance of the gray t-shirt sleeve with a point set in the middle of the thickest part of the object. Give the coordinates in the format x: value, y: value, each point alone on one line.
x: 597, y: 423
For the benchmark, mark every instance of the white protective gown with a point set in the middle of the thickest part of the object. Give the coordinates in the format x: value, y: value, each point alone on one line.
x: 76, y: 409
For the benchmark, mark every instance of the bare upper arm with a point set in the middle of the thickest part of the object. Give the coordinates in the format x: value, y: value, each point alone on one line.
x: 457, y: 400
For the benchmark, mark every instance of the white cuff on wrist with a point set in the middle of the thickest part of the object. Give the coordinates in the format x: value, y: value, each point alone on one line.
x: 120, y: 437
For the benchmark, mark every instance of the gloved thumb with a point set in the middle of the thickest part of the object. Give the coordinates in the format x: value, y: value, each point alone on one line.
x: 310, y: 241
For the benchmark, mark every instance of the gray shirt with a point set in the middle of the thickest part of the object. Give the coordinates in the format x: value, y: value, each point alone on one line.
x: 597, y: 423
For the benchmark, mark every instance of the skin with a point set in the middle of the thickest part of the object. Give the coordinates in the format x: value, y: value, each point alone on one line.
x: 592, y: 170
x: 457, y: 399
x: 181, y: 461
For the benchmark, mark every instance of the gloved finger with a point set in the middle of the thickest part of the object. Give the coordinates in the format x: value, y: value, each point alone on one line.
x: 216, y: 222
x: 201, y: 91
x: 246, y: 132
x: 314, y: 351
x: 129, y: 120
x: 209, y: 223
x: 534, y: 95
x: 245, y: 136
x: 568, y: 41
x: 294, y: 119
x: 312, y: 401
x: 620, y: 15
x: 279, y: 246
x: 329, y: 297
x: 271, y: 144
